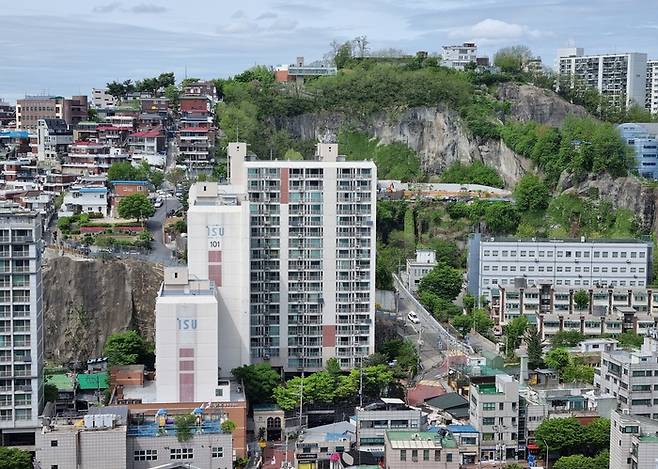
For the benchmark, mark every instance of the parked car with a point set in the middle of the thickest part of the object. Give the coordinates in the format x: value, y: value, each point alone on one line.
x: 413, y: 317
x: 158, y: 203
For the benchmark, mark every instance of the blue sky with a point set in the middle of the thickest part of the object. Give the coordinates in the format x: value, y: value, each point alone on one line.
x: 69, y: 46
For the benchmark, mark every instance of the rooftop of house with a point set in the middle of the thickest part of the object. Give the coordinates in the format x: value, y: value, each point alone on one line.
x: 92, y: 381
x: 456, y: 428
x: 63, y: 382
x: 420, y: 440
x: 154, y: 133
x: 583, y: 240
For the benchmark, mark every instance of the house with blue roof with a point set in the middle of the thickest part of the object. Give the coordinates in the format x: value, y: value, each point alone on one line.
x: 85, y: 199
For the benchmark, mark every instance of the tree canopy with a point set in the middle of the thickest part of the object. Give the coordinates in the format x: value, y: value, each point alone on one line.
x: 259, y: 381
x: 474, y: 173
x: 14, y: 458
x: 137, y: 206
x: 531, y: 193
x: 128, y: 348
x: 443, y: 281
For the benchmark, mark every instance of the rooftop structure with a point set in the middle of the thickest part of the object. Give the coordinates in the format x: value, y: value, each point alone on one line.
x: 299, y: 70
x: 458, y: 56
x: 417, y: 268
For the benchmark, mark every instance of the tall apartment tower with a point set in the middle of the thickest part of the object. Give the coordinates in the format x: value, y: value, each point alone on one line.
x: 652, y: 86
x: 21, y: 319
x: 622, y: 77
x: 290, y: 247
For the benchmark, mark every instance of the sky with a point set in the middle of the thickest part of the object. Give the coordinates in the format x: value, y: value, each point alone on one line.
x: 66, y: 47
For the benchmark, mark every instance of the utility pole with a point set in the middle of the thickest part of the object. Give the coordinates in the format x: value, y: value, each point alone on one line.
x: 361, y: 384
x: 301, y: 402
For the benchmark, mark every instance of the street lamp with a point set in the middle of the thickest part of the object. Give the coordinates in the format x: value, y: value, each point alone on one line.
x: 544, y: 441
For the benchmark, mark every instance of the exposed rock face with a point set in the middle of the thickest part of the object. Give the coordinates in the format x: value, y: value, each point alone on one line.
x: 538, y: 104
x: 86, y: 301
x: 628, y: 192
x: 436, y: 134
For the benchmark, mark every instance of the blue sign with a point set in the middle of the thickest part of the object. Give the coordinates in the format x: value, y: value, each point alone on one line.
x: 186, y: 324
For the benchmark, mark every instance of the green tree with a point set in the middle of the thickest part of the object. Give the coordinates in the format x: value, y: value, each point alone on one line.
x: 128, y: 348
x: 531, y: 193
x: 137, y: 206
x: 474, y: 173
x: 535, y: 352
x: 14, y: 458
x: 477, y: 319
x: 343, y: 55
x: 597, y: 435
x: 259, y: 381
x: 563, y: 435
x: 175, y: 176
x: 156, y: 177
x: 514, y: 331
x: 568, y: 338
x: 333, y: 367
x: 512, y: 59
x: 558, y: 359
x: 293, y: 155
x: 184, y: 424
x: 123, y: 171
x: 576, y: 461
x: 50, y: 392
x: 630, y: 339
x: 228, y: 426
x: 581, y: 298
x: 469, y: 303
x: 577, y: 373
x: 172, y: 93
x: 444, y: 281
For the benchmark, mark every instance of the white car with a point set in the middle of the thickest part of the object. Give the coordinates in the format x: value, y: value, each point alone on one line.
x: 158, y: 203
x: 413, y: 317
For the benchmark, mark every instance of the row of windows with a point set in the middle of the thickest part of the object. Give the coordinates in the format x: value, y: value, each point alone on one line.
x: 568, y: 254
x: 567, y: 269
x: 585, y: 283
x: 426, y: 455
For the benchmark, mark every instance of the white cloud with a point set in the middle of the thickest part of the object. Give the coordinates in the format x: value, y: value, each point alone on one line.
x: 284, y: 24
x: 237, y: 27
x: 491, y: 31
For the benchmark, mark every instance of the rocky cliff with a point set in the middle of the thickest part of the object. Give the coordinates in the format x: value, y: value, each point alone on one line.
x: 436, y: 134
x: 87, y: 300
x: 528, y: 102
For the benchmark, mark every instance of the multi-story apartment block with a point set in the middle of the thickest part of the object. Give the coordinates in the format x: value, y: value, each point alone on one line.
x: 21, y: 330
x: 148, y: 142
x: 7, y: 113
x: 494, y: 262
x: 33, y: 108
x: 296, y: 286
x: 374, y: 420
x: 609, y: 310
x: 53, y: 139
x: 90, y: 158
x: 652, y: 86
x: 201, y: 88
x: 633, y: 441
x: 494, y: 412
x: 459, y: 56
x: 101, y: 99
x: 417, y: 268
x: 631, y: 377
x: 642, y: 140
x: 620, y: 77
x: 424, y: 450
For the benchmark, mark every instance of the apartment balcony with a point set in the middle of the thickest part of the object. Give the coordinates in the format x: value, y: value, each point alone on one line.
x: 22, y: 239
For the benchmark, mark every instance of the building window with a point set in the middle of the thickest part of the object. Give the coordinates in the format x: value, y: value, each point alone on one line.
x: 403, y: 455
x: 489, y: 406
x: 181, y: 453
x: 53, y: 443
x: 217, y: 452
x: 449, y: 457
x: 146, y: 455
x: 488, y: 420
x: 426, y: 455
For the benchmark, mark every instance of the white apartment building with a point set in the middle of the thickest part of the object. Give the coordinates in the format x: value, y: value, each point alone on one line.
x: 633, y: 441
x: 374, y: 420
x: 652, y: 86
x: 494, y: 412
x: 53, y: 139
x: 621, y: 77
x: 186, y: 340
x: 21, y: 331
x: 458, y: 56
x: 290, y: 246
x: 101, y: 99
x: 632, y: 377
x: 417, y: 268
x: 84, y: 199
x: 494, y: 262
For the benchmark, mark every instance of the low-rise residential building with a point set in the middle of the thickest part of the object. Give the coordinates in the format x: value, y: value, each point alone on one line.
x: 84, y: 199
x: 196, y: 147
x: 53, y: 139
x: 417, y: 268
x: 7, y: 113
x: 101, y: 99
x: 85, y: 131
x: 155, y: 105
x: 468, y: 442
x: 458, y: 56
x: 298, y: 71
x: 632, y: 378
x: 424, y: 450
x: 147, y: 142
x: 201, y: 88
x: 195, y: 105
x: 114, y: 438
x: 315, y: 446
x: 494, y: 412
x: 372, y: 422
x: 121, y: 189
x: 91, y: 158
x: 633, y: 441
x: 641, y: 138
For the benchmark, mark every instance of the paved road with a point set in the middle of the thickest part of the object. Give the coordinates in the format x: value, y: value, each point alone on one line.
x: 160, y: 252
